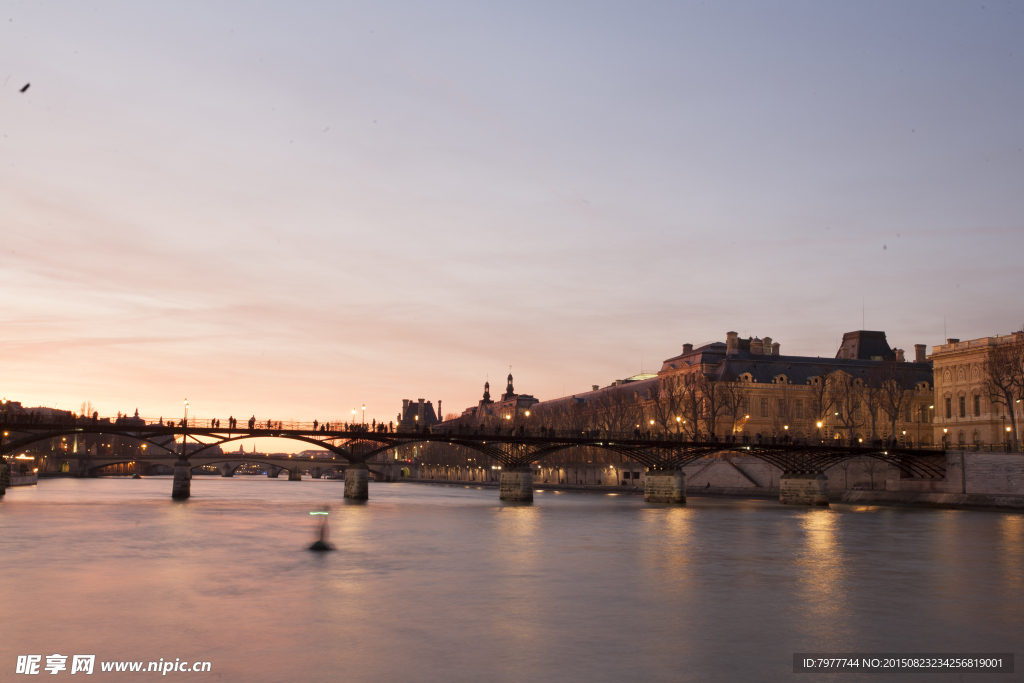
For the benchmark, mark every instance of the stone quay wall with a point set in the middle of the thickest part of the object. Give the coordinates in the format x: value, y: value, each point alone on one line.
x: 967, y: 472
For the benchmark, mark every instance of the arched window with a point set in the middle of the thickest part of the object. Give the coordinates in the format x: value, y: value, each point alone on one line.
x: 961, y: 438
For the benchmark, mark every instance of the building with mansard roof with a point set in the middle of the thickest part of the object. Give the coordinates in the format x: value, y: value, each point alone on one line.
x: 509, y: 406
x: 776, y: 395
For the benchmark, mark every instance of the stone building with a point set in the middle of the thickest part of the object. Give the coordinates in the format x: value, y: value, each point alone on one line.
x: 965, y: 413
x: 509, y: 406
x: 417, y: 414
x: 747, y: 390
x: 769, y: 395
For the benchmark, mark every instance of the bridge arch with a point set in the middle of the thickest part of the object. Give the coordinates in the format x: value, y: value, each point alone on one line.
x: 34, y: 438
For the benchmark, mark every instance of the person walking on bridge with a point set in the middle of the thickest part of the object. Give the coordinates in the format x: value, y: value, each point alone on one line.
x: 252, y: 422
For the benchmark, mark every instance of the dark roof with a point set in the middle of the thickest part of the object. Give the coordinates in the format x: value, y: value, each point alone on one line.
x: 865, y: 345
x: 644, y: 387
x: 799, y: 369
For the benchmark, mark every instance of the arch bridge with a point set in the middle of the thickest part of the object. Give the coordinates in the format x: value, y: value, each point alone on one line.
x: 803, y: 463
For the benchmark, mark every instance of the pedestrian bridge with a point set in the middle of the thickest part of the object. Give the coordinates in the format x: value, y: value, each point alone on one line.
x: 803, y: 462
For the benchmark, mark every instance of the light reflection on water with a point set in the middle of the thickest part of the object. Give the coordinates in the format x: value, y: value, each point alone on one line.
x: 449, y: 584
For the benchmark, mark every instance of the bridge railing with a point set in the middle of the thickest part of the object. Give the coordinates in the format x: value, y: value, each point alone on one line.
x: 31, y: 422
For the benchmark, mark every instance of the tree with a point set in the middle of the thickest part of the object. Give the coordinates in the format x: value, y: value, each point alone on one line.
x: 668, y: 404
x: 734, y: 397
x: 870, y: 467
x: 894, y: 392
x: 821, y: 397
x: 1004, y: 379
x: 849, y: 395
x: 714, y: 402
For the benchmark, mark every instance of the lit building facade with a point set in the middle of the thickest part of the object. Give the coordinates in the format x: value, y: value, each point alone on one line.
x: 965, y: 412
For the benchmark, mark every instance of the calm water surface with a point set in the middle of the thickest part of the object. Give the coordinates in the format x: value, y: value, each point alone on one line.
x: 434, y: 583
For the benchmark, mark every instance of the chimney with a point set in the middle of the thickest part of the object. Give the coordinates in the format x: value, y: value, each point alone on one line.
x: 952, y: 341
x: 595, y: 387
x: 732, y: 343
x: 757, y: 347
x: 687, y: 348
x: 775, y: 348
x: 899, y: 356
x: 439, y: 416
x: 919, y: 353
x: 766, y: 344
x: 405, y: 405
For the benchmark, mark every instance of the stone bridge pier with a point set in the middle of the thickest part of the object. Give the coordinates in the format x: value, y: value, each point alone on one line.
x: 295, y: 474
x: 803, y: 489
x: 181, y: 486
x: 665, y: 486
x: 516, y: 485
x: 357, y: 478
x: 226, y: 470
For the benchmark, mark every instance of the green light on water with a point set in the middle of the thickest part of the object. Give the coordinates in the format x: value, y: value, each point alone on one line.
x: 318, y: 513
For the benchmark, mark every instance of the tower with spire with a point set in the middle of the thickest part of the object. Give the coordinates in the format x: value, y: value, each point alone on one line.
x: 510, y: 391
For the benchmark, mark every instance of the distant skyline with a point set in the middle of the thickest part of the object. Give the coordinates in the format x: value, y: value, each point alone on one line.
x: 290, y: 211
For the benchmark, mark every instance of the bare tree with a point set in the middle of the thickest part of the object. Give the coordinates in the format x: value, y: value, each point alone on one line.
x: 667, y: 408
x: 845, y: 467
x: 894, y: 392
x: 871, y: 467
x: 714, y: 404
x: 1004, y: 379
x: 734, y: 397
x: 849, y: 393
x: 821, y: 397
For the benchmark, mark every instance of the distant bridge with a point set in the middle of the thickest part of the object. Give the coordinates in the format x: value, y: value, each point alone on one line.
x: 802, y: 462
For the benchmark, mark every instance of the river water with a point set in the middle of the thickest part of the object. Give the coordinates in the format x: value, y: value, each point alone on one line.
x: 446, y: 583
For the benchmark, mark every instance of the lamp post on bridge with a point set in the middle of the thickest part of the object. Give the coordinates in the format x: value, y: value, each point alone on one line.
x: 182, y: 484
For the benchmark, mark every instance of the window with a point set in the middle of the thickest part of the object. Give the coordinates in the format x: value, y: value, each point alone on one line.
x: 798, y: 409
x: 949, y: 408
x: 746, y: 406
x: 764, y: 407
x: 782, y: 407
x: 839, y: 409
x: 907, y: 413
x: 963, y: 406
x: 977, y: 405
x: 856, y: 411
x: 924, y: 413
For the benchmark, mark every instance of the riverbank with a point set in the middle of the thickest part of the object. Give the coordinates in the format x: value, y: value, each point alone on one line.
x: 970, y: 501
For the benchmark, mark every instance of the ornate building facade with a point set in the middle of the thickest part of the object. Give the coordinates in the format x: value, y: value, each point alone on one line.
x: 966, y: 410
x: 509, y: 406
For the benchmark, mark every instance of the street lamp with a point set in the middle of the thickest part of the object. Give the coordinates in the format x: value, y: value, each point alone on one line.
x: 353, y: 416
x: 364, y: 413
x: 186, y: 412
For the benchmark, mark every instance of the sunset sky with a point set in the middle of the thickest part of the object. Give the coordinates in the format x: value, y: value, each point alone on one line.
x: 292, y: 209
